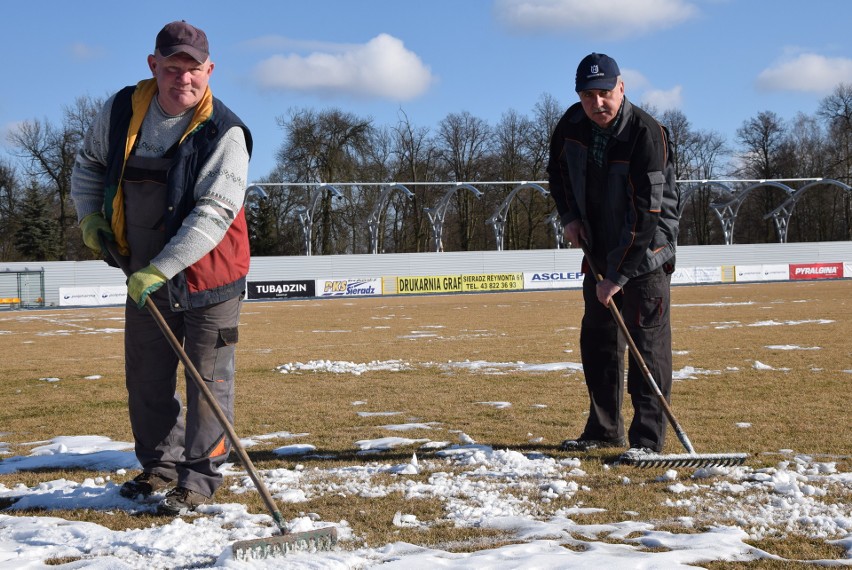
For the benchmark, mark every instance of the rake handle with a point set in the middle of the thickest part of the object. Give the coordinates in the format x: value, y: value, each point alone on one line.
x: 637, y: 356
x: 202, y: 387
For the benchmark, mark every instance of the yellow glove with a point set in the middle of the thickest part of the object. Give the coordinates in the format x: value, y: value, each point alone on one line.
x: 90, y: 226
x: 143, y: 283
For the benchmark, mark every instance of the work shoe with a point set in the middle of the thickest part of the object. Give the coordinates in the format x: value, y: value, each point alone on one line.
x: 634, y: 454
x: 585, y: 444
x: 180, y: 500
x: 143, y: 484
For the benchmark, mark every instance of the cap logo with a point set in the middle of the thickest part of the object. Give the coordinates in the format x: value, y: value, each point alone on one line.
x: 595, y: 71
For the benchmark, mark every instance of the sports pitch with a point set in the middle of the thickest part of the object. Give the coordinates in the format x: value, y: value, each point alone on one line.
x: 776, y: 356
x: 764, y: 369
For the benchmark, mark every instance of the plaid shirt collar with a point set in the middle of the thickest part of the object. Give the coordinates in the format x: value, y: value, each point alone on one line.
x: 600, y: 137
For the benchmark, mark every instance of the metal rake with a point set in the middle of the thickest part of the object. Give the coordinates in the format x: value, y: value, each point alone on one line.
x: 286, y: 541
x: 689, y: 459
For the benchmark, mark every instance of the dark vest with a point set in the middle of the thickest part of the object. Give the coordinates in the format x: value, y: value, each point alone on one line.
x: 219, y: 275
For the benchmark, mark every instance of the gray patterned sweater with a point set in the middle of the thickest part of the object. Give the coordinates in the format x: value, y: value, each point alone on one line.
x: 219, y: 192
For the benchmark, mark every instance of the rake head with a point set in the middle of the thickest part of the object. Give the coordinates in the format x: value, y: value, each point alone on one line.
x: 316, y: 540
x: 685, y: 460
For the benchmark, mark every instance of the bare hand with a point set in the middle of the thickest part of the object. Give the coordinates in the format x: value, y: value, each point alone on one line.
x: 606, y: 289
x: 574, y: 232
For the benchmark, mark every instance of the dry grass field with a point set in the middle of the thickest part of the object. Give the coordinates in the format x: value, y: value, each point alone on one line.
x: 765, y: 367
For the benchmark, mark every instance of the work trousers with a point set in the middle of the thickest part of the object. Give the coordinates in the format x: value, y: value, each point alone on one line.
x: 186, y: 448
x: 645, y: 305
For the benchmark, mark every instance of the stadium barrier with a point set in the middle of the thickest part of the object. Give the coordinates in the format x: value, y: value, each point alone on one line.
x: 93, y: 283
x: 475, y: 283
x: 528, y: 281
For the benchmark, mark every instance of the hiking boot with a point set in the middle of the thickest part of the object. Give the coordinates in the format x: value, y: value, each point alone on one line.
x: 585, y: 444
x: 143, y: 485
x: 180, y: 500
x: 634, y: 454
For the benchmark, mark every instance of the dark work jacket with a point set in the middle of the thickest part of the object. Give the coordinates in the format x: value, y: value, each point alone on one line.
x: 221, y: 274
x: 640, y: 201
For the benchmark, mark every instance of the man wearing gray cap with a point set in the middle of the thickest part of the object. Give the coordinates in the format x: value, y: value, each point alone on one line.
x: 611, y: 174
x: 162, y: 172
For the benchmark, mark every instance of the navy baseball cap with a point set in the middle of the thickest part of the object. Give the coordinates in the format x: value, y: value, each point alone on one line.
x: 597, y: 71
x: 180, y: 37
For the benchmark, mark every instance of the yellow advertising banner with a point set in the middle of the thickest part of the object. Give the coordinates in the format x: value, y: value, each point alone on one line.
x: 430, y: 284
x: 460, y: 283
x: 493, y: 282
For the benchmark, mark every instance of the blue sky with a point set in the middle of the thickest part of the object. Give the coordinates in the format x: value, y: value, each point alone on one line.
x: 719, y: 61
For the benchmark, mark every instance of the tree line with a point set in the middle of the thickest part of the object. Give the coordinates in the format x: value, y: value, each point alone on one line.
x: 38, y: 221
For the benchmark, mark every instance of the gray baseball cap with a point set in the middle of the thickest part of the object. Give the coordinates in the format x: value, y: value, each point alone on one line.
x: 180, y: 37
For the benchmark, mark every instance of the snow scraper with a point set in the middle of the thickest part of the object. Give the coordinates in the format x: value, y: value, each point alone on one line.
x: 688, y: 459
x: 283, y: 543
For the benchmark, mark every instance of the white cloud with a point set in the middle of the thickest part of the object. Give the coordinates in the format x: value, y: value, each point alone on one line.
x: 83, y: 52
x: 807, y: 72
x: 663, y: 100
x: 614, y: 19
x: 382, y: 68
x: 638, y: 88
x: 633, y: 80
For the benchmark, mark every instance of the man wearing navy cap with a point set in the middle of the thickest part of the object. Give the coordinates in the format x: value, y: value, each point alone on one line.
x: 611, y: 175
x: 162, y: 171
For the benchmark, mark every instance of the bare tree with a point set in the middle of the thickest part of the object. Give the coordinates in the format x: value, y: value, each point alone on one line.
x: 273, y: 221
x: 697, y: 157
x: 327, y: 146
x: 683, y: 141
x: 10, y: 203
x: 807, y: 144
x: 707, y: 151
x: 416, y: 161
x: 763, y: 141
x: 464, y: 142
x: 824, y: 212
x: 836, y: 111
x: 698, y: 154
x: 546, y: 113
x: 515, y: 159
x: 48, y: 152
x: 512, y: 137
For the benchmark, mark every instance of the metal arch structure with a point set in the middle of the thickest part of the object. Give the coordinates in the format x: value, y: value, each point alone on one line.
x: 498, y: 219
x: 379, y: 210
x: 725, y: 206
x: 782, y: 214
x: 255, y: 194
x: 688, y: 187
x: 727, y: 211
x: 306, y: 214
x: 555, y: 222
x: 436, y: 215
